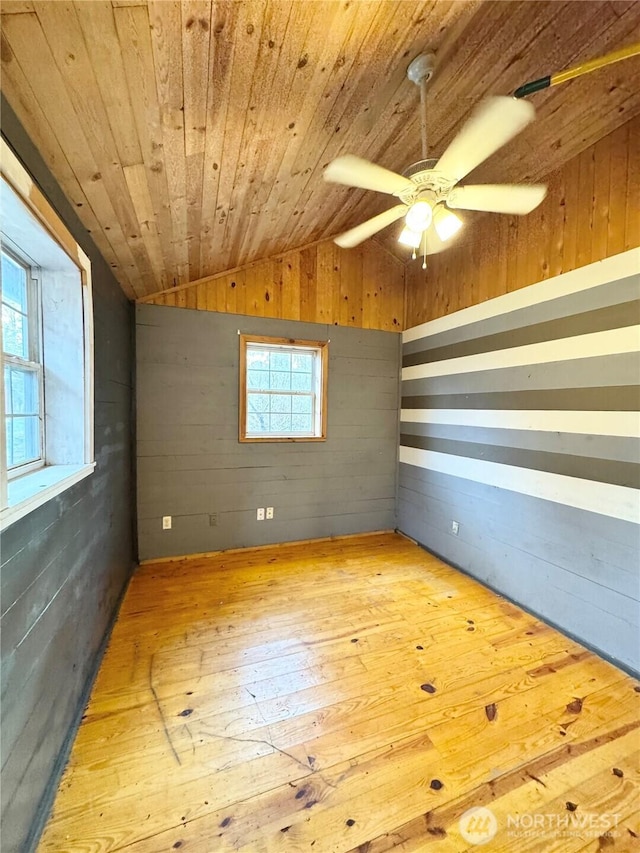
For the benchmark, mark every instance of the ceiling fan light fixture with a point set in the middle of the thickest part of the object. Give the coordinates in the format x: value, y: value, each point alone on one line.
x: 411, y: 238
x: 446, y: 223
x: 419, y: 216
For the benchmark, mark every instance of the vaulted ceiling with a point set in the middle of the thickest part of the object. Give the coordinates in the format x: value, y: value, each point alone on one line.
x: 191, y: 136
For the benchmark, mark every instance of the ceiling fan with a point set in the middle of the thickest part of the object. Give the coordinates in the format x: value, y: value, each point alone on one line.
x: 428, y: 190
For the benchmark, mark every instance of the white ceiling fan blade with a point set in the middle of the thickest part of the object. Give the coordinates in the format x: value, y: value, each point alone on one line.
x: 498, y: 198
x: 356, y: 235
x: 493, y: 123
x: 355, y: 172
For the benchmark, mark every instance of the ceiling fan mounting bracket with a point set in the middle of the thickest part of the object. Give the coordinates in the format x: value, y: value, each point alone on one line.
x: 421, y: 69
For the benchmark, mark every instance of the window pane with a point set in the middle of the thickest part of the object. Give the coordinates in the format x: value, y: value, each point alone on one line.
x: 301, y: 382
x: 281, y: 423
x: 301, y: 404
x: 258, y: 380
x: 257, y: 423
x: 257, y: 359
x: 280, y: 403
x: 21, y: 391
x: 301, y: 423
x: 280, y: 361
x: 302, y: 362
x: 14, y: 284
x: 258, y: 402
x: 280, y: 381
x: 23, y: 443
x: 15, y: 336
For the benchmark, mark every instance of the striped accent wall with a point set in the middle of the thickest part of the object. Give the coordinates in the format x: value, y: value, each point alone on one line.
x: 520, y: 420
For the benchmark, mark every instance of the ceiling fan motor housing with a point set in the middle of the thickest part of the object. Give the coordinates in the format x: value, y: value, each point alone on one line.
x: 420, y: 166
x: 426, y: 178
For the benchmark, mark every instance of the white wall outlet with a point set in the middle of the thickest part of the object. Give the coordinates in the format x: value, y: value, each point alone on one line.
x: 166, y: 522
x: 269, y: 515
x: 260, y: 513
x: 455, y: 527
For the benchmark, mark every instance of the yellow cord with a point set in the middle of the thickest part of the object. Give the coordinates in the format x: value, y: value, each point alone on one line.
x: 593, y: 64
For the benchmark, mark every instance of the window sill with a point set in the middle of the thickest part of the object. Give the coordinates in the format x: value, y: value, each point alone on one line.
x: 33, y: 490
x: 289, y: 438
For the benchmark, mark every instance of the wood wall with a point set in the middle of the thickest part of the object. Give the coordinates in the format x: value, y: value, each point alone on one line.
x: 519, y: 420
x: 64, y: 565
x: 191, y: 466
x: 592, y: 211
x: 362, y: 287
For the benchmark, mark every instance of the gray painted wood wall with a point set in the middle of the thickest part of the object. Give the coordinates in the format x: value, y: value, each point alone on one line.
x: 191, y: 464
x: 520, y: 422
x: 65, y: 565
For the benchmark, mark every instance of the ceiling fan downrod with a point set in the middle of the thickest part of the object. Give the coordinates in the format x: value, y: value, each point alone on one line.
x: 420, y: 72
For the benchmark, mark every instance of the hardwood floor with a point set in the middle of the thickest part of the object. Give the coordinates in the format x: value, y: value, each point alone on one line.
x: 346, y: 695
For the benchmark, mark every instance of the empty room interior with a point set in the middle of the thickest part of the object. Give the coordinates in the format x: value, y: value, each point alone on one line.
x: 320, y: 442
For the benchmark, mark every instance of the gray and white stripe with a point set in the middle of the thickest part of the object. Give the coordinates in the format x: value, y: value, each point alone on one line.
x: 536, y: 391
x: 520, y: 421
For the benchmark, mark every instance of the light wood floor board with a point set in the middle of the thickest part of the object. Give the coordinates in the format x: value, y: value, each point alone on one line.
x: 352, y: 695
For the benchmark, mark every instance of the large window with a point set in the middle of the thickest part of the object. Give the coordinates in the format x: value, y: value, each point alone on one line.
x: 21, y: 337
x: 283, y: 389
x: 46, y: 393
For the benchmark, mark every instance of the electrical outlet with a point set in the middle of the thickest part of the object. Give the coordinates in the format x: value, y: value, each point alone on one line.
x: 269, y: 514
x: 260, y: 513
x: 166, y: 522
x: 213, y: 519
x: 455, y: 527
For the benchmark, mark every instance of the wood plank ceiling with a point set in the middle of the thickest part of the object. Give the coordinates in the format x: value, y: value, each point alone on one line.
x: 192, y: 136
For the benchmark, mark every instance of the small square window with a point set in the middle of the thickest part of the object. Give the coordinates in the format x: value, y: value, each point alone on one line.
x: 283, y: 389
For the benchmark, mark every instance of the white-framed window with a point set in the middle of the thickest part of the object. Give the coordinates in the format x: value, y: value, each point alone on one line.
x: 46, y: 340
x: 283, y: 389
x: 22, y: 362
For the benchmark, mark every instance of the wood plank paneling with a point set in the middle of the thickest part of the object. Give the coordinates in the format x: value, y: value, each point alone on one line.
x: 190, y: 463
x: 287, y: 714
x: 591, y: 212
x: 65, y: 564
x: 362, y: 287
x: 195, y: 134
x: 520, y: 420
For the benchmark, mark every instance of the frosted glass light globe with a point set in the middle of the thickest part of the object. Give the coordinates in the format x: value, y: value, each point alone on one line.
x: 419, y: 216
